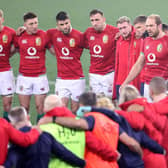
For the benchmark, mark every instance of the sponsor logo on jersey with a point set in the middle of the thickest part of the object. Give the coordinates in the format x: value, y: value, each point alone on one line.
x: 92, y: 38
x: 97, y: 49
x: 65, y: 51
x: 24, y: 41
x: 1, y: 48
x: 59, y: 39
x: 72, y: 42
x: 31, y: 51
x: 105, y: 39
x: 9, y: 89
x: 151, y: 57
x: 5, y: 38
x: 159, y: 47
x: 147, y: 47
x: 38, y: 41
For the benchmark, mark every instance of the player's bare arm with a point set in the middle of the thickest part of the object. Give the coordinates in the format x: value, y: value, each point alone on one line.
x: 136, y: 69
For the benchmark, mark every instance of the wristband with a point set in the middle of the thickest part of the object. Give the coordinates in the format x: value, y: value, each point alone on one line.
x: 53, y: 119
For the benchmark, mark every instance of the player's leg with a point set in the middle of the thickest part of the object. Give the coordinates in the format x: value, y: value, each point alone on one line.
x: 24, y: 101
x: 40, y: 90
x: 7, y: 88
x: 77, y: 87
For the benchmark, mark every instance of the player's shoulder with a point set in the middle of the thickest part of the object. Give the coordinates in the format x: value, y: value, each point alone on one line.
x: 76, y: 31
x: 89, y: 30
x: 9, y: 29
x: 111, y: 28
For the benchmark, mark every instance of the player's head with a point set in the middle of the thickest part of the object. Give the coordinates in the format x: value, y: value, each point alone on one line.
x: 17, y: 114
x: 139, y: 25
x: 1, y: 17
x: 129, y: 92
x: 124, y: 26
x: 165, y: 28
x: 97, y: 20
x: 63, y: 22
x: 105, y: 102
x: 52, y: 101
x: 31, y: 22
x: 157, y: 86
x: 87, y: 99
x: 153, y: 25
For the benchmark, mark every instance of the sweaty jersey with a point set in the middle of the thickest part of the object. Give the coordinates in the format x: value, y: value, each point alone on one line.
x: 68, y: 49
x: 102, y: 49
x: 32, y: 50
x: 156, y: 56
x: 6, y: 39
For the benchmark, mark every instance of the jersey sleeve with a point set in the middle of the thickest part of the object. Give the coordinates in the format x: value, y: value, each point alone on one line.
x: 20, y: 138
x: 91, y: 122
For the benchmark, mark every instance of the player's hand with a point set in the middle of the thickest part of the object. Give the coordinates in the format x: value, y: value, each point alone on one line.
x: 117, y: 36
x: 82, y: 110
x: 45, y: 120
x: 20, y: 30
x: 37, y: 128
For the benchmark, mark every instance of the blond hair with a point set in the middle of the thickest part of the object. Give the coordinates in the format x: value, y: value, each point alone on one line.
x: 129, y: 92
x: 105, y: 102
x: 17, y: 114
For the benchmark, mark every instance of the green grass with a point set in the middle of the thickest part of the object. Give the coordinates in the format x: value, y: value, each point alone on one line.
x: 79, y: 12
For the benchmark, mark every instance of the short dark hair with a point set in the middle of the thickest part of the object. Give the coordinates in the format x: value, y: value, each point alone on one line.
x: 140, y: 19
x: 29, y: 15
x: 164, y: 27
x: 158, y: 85
x: 96, y: 11
x: 62, y: 16
x: 88, y: 99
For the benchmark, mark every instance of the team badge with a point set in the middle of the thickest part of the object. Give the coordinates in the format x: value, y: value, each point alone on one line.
x: 159, y: 48
x: 5, y: 38
x: 24, y: 41
x: 105, y: 39
x: 21, y: 88
x: 38, y: 41
x: 72, y: 42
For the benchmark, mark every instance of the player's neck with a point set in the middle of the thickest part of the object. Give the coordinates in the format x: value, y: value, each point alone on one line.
x: 160, y: 35
x: 157, y: 98
x: 23, y: 124
x: 1, y: 27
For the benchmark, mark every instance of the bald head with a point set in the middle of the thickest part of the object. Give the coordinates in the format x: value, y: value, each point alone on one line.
x: 51, y: 102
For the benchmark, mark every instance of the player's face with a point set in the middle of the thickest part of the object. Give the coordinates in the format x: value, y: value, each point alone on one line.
x: 97, y: 21
x: 152, y: 28
x: 139, y: 29
x: 31, y: 25
x: 125, y: 29
x: 64, y: 26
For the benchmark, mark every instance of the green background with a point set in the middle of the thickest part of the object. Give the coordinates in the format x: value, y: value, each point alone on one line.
x: 79, y: 13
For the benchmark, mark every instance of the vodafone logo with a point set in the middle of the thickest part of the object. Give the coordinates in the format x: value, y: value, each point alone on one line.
x: 151, y: 57
x: 65, y: 51
x: 97, y: 49
x: 31, y: 51
x: 1, y: 48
